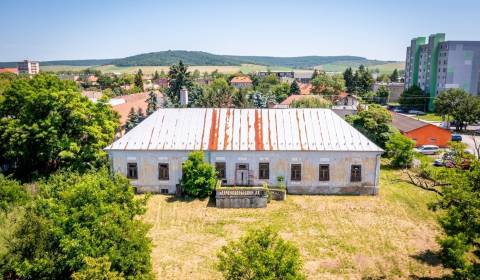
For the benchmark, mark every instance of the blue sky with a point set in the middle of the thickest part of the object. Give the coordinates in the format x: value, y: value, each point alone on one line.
x: 81, y: 29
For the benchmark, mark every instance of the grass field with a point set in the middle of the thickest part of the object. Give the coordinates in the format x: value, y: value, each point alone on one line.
x: 389, y: 236
x: 432, y: 117
x: 245, y: 68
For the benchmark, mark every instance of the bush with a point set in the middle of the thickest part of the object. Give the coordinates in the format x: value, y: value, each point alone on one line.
x: 11, y: 194
x: 260, y: 254
x: 77, y: 216
x: 400, y: 149
x: 199, y: 177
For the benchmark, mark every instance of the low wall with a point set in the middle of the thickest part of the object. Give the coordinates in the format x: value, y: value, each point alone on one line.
x: 241, y: 198
x: 278, y: 194
x: 351, y: 190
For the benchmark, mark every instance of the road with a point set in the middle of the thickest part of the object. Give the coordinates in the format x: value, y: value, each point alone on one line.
x: 468, y: 139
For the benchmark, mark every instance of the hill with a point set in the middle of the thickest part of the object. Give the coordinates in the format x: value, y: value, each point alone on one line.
x: 198, y: 58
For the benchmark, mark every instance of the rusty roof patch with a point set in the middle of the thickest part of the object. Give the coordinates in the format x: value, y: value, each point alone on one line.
x: 258, y: 131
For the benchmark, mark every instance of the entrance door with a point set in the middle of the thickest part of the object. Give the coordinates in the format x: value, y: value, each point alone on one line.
x: 241, y: 174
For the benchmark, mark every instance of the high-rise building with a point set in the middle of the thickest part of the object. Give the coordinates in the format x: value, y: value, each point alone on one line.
x: 28, y: 67
x: 438, y: 65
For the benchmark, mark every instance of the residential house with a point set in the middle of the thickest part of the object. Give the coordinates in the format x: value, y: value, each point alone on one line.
x: 9, y: 70
x: 303, y: 76
x: 421, y: 132
x: 241, y: 82
x: 314, y: 150
x: 396, y: 89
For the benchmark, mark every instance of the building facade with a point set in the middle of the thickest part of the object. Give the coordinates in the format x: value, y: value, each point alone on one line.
x: 28, y: 67
x: 314, y: 150
x: 438, y: 65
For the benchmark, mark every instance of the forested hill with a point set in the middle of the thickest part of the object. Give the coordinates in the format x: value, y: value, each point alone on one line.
x: 197, y: 58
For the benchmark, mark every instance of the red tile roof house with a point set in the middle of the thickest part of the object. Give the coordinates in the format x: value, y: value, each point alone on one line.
x: 421, y: 132
x: 287, y: 103
x: 9, y: 70
x: 241, y: 82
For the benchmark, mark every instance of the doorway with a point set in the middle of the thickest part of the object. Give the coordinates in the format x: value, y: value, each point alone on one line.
x: 241, y: 174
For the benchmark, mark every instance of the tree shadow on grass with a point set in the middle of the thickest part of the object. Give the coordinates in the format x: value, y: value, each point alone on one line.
x: 428, y: 257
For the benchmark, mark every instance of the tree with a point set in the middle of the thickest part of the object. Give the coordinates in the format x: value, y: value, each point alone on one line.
x: 461, y: 106
x: 241, y: 99
x: 383, y: 78
x: 46, y: 124
x: 260, y: 254
x: 219, y: 93
x: 311, y: 102
x: 156, y: 76
x: 199, y: 177
x: 132, y: 119
x: 152, y: 103
x: 363, y: 80
x: 138, y: 80
x: 259, y: 100
x: 373, y: 123
x: 394, y: 76
x: 400, y: 149
x: 382, y: 95
x: 460, y: 202
x: 12, y: 194
x: 281, y: 92
x: 140, y: 114
x: 294, y: 88
x: 327, y: 85
x: 178, y: 78
x: 414, y: 98
x: 349, y: 80
x: 76, y: 216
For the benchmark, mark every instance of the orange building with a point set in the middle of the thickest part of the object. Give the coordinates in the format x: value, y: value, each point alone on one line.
x: 421, y: 132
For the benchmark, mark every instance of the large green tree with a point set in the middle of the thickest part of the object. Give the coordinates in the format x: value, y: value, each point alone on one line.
x: 152, y: 103
x: 199, y: 177
x: 414, y: 98
x: 394, y: 76
x: 179, y: 77
x: 77, y: 216
x: 45, y: 124
x: 349, y: 81
x: 374, y: 123
x: 460, y: 105
x: 400, y: 149
x: 326, y: 84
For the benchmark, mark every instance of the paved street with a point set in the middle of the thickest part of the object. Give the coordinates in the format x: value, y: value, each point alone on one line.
x: 468, y: 139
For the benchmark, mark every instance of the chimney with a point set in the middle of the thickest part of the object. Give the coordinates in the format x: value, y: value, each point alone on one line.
x: 184, y: 96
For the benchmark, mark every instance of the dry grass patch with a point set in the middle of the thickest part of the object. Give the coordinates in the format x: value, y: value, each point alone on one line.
x: 339, y: 237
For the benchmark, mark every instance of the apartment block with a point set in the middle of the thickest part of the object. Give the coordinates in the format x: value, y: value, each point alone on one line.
x: 437, y: 65
x: 28, y: 67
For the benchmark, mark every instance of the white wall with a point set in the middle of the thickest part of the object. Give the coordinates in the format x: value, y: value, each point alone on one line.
x: 340, y: 165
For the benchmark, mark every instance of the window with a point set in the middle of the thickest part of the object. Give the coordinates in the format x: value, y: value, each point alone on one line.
x: 324, y: 172
x: 220, y: 167
x: 163, y: 171
x: 263, y: 170
x: 356, y: 174
x: 296, y: 172
x: 164, y: 191
x: 132, y: 170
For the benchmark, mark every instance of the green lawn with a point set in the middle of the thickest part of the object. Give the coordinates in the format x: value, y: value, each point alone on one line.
x: 389, y: 236
x: 431, y: 117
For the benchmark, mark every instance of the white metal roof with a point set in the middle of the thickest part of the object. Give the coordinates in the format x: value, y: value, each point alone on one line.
x: 244, y: 130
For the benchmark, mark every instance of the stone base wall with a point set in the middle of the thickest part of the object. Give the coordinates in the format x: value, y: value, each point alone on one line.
x: 278, y: 194
x: 327, y: 190
x: 241, y: 202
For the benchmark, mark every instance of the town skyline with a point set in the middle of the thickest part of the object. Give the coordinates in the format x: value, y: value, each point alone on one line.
x: 53, y: 30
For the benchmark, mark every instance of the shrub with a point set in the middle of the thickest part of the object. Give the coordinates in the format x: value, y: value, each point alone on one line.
x: 400, y: 149
x: 199, y: 177
x: 260, y: 254
x: 281, y: 182
x: 11, y: 194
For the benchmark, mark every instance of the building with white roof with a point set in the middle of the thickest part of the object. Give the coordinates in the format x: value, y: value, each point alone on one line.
x: 314, y: 150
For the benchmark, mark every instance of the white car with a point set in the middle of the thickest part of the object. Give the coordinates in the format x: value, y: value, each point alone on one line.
x: 428, y: 149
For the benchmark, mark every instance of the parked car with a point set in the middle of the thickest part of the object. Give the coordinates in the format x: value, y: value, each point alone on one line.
x: 439, y: 162
x: 456, y: 137
x: 477, y: 132
x: 416, y: 112
x: 398, y: 110
x: 428, y: 149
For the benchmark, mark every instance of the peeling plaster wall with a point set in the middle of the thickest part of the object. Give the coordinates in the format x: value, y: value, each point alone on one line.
x: 340, y: 166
